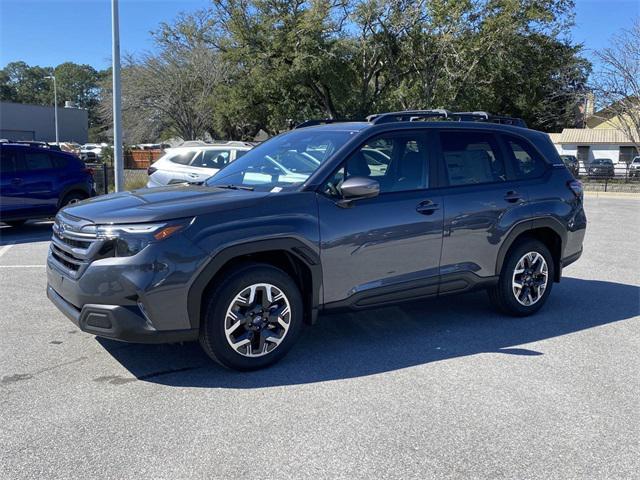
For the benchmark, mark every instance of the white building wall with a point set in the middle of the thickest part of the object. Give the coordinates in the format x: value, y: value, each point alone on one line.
x: 595, y: 151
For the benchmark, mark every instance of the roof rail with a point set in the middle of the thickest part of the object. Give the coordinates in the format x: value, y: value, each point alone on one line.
x: 321, y: 121
x: 408, y: 116
x: 416, y: 115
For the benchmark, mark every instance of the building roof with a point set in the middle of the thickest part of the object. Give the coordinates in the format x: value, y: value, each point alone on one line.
x: 590, y: 136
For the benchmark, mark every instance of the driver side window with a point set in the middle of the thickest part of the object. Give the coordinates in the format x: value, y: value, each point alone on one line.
x: 399, y: 162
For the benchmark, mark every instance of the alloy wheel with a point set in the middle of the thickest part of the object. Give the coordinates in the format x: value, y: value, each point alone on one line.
x: 530, y: 278
x: 257, y: 320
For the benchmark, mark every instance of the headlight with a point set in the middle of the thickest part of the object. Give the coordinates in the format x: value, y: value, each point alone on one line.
x: 129, y: 239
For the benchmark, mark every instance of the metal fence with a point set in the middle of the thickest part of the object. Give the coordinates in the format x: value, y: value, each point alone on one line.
x: 620, y: 178
x: 104, y: 178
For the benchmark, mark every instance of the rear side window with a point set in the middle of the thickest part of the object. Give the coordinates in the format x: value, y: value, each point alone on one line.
x: 8, y: 161
x: 527, y: 163
x: 212, y: 159
x: 471, y: 158
x: 37, y: 161
x: 182, y: 158
x: 60, y: 161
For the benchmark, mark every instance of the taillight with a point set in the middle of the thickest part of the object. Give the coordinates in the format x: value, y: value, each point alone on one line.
x: 151, y: 170
x: 576, y: 187
x: 88, y: 170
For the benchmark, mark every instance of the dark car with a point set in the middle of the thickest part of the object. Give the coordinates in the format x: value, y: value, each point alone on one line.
x: 35, y: 182
x: 242, y: 265
x: 600, y: 168
x: 571, y: 162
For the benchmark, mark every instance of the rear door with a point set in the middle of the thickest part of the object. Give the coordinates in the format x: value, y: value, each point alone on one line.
x: 174, y: 167
x: 40, y: 178
x: 482, y: 201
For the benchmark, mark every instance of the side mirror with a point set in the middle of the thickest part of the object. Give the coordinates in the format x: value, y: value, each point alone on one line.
x: 357, y: 188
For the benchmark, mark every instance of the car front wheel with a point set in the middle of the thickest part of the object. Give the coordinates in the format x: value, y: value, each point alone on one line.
x: 525, y: 280
x: 252, y: 318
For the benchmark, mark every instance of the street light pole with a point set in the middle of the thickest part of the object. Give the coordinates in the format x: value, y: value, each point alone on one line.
x: 118, y: 165
x: 55, y: 105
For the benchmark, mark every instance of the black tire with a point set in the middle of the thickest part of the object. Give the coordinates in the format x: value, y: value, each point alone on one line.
x: 72, y: 197
x: 212, y: 332
x: 502, y: 295
x: 14, y: 223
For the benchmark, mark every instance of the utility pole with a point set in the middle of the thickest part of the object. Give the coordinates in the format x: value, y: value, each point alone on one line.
x: 55, y: 105
x: 118, y: 160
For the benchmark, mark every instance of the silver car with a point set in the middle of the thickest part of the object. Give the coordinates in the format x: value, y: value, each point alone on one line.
x: 194, y: 163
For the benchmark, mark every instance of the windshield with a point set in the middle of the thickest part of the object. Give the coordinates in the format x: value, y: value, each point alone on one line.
x: 602, y: 161
x: 284, y: 162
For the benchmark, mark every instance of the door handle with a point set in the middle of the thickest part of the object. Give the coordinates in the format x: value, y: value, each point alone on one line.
x: 427, y: 207
x: 512, y: 196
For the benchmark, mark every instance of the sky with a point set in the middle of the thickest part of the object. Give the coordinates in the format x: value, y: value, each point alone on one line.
x: 50, y: 32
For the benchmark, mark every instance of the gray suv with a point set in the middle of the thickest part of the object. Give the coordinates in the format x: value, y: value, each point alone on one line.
x: 403, y: 206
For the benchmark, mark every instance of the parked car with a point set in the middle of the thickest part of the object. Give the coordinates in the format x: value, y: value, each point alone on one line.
x: 92, y: 151
x: 194, y: 163
x: 634, y: 167
x: 600, y: 168
x: 571, y: 162
x: 36, y: 182
x: 241, y: 263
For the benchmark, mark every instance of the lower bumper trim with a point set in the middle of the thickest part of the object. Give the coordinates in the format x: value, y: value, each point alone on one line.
x: 117, y: 322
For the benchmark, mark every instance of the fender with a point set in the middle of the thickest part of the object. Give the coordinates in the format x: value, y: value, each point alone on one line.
x: 531, y: 224
x: 81, y: 187
x: 290, y: 245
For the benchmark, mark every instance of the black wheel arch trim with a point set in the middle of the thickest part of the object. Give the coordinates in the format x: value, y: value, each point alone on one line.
x: 289, y: 245
x: 528, y: 225
x: 75, y: 187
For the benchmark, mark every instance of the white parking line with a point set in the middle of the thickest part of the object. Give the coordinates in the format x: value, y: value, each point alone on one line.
x: 22, y: 266
x: 6, y: 248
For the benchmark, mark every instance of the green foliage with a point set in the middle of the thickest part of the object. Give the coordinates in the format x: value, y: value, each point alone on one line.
x: 241, y: 66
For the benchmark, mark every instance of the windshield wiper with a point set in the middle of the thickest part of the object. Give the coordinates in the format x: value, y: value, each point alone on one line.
x: 235, y: 187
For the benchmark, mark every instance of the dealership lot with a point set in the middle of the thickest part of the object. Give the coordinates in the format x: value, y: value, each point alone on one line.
x: 438, y: 389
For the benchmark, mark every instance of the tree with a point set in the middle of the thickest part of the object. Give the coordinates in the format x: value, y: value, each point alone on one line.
x: 167, y: 94
x: 617, y: 84
x: 22, y: 83
x: 242, y: 66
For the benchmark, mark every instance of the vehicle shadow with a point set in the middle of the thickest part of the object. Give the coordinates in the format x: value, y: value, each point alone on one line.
x: 33, y: 231
x: 363, y: 343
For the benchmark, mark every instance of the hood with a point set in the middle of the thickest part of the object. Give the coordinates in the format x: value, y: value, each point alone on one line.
x: 162, y: 203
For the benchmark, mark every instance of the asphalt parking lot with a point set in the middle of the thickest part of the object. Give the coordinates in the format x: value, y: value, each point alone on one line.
x: 438, y: 389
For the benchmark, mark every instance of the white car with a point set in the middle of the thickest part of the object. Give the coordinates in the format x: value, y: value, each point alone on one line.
x: 634, y: 167
x: 92, y: 151
x: 194, y: 163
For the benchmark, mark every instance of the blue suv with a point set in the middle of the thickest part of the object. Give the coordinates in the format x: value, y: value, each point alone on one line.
x: 35, y: 182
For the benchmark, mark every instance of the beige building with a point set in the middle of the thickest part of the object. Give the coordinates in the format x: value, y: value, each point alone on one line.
x: 601, y: 139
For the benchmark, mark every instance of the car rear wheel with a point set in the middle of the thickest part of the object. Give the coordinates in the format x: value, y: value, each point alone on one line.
x: 525, y: 280
x: 72, y: 198
x: 252, y: 318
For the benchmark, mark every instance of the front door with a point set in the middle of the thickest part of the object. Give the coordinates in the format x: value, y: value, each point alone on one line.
x: 385, y: 248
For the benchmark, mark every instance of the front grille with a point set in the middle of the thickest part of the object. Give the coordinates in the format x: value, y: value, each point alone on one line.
x: 72, y: 247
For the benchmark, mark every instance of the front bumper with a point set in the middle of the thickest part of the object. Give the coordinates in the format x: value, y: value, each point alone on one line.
x: 117, y: 322
x: 141, y: 298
